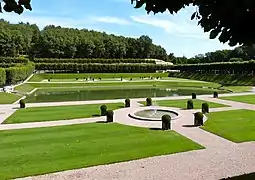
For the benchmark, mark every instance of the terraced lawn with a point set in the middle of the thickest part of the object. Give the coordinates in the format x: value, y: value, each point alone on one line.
x: 236, y: 125
x: 250, y: 99
x: 39, y: 114
x: 37, y: 151
x: 182, y: 103
x: 8, y: 98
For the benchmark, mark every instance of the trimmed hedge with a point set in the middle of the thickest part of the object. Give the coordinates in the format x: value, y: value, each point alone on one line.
x: 205, y: 108
x: 18, y: 73
x: 245, y: 67
x: 109, y: 116
x: 190, y: 104
x: 84, y: 61
x: 22, y: 103
x: 194, y: 96
x: 102, y: 68
x: 103, y: 109
x: 166, y: 122
x: 127, y: 102
x: 2, y: 76
x: 10, y: 60
x: 148, y: 102
x: 198, y: 119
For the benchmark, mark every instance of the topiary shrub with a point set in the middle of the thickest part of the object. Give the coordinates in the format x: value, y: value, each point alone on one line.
x: 194, y: 96
x: 166, y: 122
x: 198, y: 119
x: 127, y: 103
x: 148, y: 101
x: 215, y: 95
x: 77, y: 79
x: 109, y: 116
x: 103, y: 109
x: 190, y: 104
x: 48, y: 80
x: 205, y: 108
x: 22, y: 103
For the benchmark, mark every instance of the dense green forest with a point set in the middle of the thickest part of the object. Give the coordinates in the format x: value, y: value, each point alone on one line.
x: 57, y: 42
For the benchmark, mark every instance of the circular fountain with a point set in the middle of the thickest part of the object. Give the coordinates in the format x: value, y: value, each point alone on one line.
x: 153, y: 113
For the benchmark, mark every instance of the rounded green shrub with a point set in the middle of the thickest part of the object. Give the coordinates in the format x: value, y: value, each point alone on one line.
x: 190, y: 104
x: 109, y: 116
x: 194, y: 96
x: 166, y: 122
x: 148, y: 101
x: 205, y: 108
x: 22, y: 103
x: 127, y: 103
x: 215, y: 94
x: 198, y: 119
x: 103, y: 109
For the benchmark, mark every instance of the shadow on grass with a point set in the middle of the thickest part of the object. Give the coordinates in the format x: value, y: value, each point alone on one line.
x: 156, y: 129
x: 96, y: 115
x: 121, y: 106
x: 16, y: 108
x: 250, y: 176
x: 101, y: 122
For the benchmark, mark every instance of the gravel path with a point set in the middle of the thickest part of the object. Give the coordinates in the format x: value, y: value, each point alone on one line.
x: 220, y: 158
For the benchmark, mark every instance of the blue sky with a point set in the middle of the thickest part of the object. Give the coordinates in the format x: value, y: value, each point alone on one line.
x: 177, y: 34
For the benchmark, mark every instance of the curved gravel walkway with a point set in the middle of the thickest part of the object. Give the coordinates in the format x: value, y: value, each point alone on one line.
x: 220, y: 159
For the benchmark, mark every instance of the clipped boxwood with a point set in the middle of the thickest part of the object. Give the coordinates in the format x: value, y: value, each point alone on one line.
x: 103, y: 109
x: 215, y: 95
x: 148, y: 101
x: 109, y: 116
x: 198, y: 119
x: 194, y: 96
x: 166, y: 122
x: 127, y: 103
x: 205, y: 108
x: 22, y: 103
x: 190, y: 104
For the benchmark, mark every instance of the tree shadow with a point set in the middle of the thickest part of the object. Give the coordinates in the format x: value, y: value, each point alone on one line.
x: 156, y: 129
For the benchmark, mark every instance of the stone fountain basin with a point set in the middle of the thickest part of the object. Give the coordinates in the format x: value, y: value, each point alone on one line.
x: 147, y: 113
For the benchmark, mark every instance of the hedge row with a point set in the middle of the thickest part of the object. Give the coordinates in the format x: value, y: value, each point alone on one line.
x: 19, y: 73
x: 83, y: 61
x: 2, y: 76
x: 102, y: 68
x: 15, y: 60
x: 246, y: 67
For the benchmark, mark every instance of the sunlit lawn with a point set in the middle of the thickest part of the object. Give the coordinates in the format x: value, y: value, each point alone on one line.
x: 245, y: 99
x: 43, y: 150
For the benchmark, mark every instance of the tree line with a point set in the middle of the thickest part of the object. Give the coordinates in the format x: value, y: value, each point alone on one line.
x: 241, y: 53
x: 58, y: 42
x: 96, y: 60
x: 245, y: 67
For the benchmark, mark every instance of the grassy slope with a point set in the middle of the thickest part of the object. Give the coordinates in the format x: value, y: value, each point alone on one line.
x: 224, y: 78
x: 236, y: 125
x: 7, y: 98
x: 55, y: 113
x: 182, y: 103
x: 40, y: 77
x: 245, y: 99
x: 44, y: 150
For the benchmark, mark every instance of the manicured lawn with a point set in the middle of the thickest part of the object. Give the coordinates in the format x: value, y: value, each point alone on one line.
x: 245, y: 99
x: 238, y: 88
x: 8, y: 98
x: 40, y: 77
x: 236, y: 125
x: 182, y: 103
x: 43, y: 150
x: 39, y: 114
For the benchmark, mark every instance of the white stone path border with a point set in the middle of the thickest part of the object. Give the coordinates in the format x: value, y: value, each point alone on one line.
x: 220, y: 158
